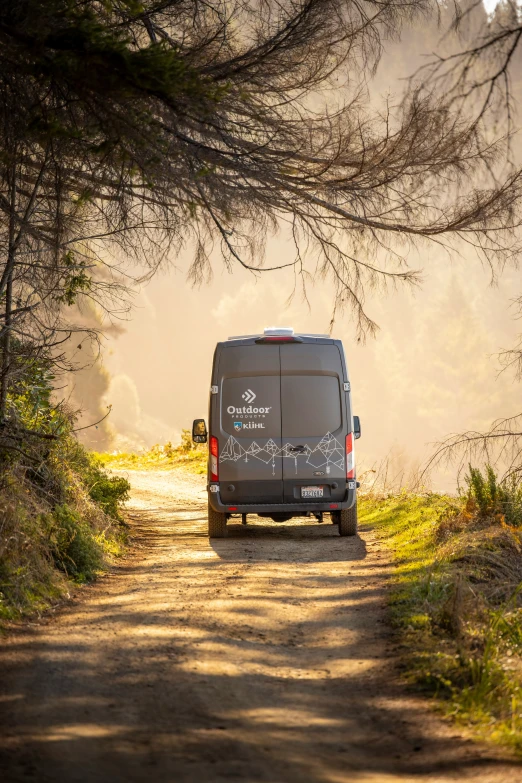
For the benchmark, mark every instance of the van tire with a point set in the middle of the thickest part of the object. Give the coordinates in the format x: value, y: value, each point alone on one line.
x: 217, y: 523
x: 347, y: 520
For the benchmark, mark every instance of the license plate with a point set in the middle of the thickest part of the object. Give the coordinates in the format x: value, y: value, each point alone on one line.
x: 312, y: 492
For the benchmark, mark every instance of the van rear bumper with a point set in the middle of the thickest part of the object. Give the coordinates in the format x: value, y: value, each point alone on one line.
x: 290, y: 508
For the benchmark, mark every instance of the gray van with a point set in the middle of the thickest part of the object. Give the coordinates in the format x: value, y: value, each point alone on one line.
x: 281, y: 431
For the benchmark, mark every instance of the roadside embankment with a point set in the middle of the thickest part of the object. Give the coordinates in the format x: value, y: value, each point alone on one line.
x: 60, y: 524
x: 455, y: 600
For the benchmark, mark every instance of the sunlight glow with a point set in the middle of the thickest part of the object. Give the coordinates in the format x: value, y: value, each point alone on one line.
x: 287, y: 717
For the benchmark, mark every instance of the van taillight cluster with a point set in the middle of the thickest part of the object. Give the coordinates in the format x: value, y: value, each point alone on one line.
x: 350, y: 457
x: 214, y: 459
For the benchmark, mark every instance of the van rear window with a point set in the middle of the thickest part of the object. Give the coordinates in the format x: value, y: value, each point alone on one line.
x: 310, y: 405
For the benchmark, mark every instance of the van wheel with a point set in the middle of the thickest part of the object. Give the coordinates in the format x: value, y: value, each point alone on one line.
x: 217, y: 523
x: 347, y: 521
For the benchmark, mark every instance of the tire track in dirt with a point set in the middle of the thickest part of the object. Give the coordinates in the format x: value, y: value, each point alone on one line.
x: 265, y: 656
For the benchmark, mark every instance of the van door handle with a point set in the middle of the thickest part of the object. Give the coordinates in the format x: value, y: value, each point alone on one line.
x: 298, y: 449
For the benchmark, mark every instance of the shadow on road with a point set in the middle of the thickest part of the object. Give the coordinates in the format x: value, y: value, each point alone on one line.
x: 306, y: 540
x: 261, y: 658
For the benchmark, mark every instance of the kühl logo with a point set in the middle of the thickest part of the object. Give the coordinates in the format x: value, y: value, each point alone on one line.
x: 249, y: 396
x: 238, y: 425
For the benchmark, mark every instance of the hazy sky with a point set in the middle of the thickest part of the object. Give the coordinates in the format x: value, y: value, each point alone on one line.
x: 430, y: 371
x: 490, y: 5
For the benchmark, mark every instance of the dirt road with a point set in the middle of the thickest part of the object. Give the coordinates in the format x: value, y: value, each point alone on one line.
x: 261, y: 657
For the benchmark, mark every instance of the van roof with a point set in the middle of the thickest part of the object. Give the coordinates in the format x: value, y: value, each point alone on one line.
x: 296, y: 334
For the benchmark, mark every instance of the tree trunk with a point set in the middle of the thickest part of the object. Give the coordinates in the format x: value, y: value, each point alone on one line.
x: 6, y: 340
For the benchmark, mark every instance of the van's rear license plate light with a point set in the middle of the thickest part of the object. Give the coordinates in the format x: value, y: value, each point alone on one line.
x: 312, y: 492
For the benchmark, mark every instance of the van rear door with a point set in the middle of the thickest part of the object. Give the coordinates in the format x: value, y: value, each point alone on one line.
x: 249, y: 434
x: 313, y: 422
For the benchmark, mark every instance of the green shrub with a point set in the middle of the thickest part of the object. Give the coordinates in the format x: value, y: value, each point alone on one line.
x: 187, y: 445
x: 511, y: 500
x: 73, y: 545
x: 109, y: 492
x: 502, y: 500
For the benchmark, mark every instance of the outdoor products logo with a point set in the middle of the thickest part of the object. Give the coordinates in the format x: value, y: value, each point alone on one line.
x: 248, y: 412
x: 247, y: 409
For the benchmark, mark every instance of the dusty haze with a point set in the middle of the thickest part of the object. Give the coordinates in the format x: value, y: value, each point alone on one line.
x: 431, y: 370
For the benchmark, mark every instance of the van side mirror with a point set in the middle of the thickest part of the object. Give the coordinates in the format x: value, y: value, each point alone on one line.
x: 199, y: 431
x: 356, y: 427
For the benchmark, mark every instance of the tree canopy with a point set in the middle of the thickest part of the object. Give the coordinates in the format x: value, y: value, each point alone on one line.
x: 132, y: 129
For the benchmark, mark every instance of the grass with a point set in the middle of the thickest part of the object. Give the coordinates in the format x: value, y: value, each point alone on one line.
x: 191, y: 456
x: 455, y: 601
x: 58, y: 526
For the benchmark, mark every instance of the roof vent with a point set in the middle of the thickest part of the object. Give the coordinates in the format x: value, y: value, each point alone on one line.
x: 279, y: 331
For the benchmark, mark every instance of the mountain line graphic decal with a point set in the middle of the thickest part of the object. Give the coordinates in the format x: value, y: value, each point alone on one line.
x: 326, y: 453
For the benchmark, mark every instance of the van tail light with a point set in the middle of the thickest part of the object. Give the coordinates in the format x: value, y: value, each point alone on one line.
x: 278, y: 339
x: 214, y: 451
x: 350, y: 457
